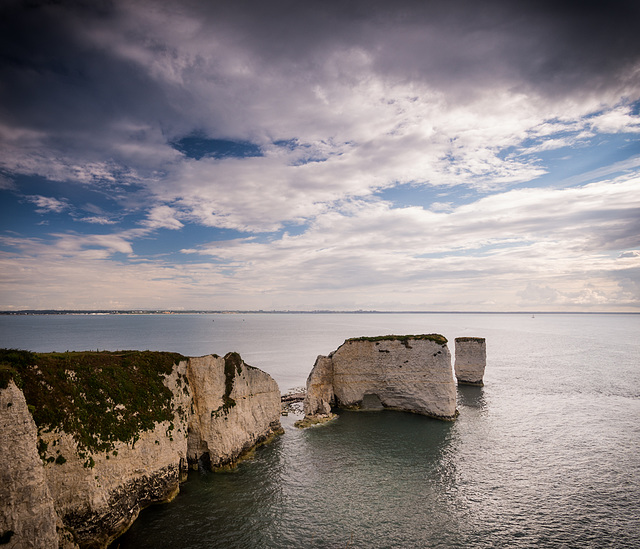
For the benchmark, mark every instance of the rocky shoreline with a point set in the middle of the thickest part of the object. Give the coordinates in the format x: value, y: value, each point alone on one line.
x: 84, y: 448
x: 90, y: 439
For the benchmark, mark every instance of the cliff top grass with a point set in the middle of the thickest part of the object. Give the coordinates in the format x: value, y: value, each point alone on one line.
x: 477, y: 339
x: 97, y: 397
x: 440, y: 339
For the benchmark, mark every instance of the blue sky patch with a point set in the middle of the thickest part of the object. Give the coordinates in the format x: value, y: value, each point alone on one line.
x: 198, y: 147
x: 425, y: 196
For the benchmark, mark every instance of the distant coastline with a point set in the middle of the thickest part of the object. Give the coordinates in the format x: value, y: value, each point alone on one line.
x: 320, y: 311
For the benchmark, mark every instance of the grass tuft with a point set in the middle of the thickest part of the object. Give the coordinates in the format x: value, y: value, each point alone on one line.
x: 440, y: 339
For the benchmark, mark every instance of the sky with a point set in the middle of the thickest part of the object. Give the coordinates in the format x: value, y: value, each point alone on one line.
x: 280, y: 155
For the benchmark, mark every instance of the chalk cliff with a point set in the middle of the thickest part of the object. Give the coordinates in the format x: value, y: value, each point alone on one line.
x: 320, y: 395
x: 408, y: 373
x: 471, y: 359
x: 235, y: 407
x: 99, y: 490
x: 114, y: 435
x: 28, y: 518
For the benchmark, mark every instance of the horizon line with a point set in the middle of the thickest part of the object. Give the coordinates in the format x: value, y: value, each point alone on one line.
x: 283, y: 311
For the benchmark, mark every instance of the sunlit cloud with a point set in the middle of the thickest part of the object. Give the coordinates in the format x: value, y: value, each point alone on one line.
x: 163, y: 217
x: 98, y: 220
x: 46, y: 204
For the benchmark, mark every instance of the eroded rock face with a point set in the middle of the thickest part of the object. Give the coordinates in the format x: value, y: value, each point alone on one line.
x: 471, y: 359
x: 409, y: 373
x: 99, y: 494
x: 235, y: 407
x: 27, y: 514
x: 319, y: 396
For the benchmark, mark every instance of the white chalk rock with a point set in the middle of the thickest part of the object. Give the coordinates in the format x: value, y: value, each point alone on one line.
x: 27, y: 514
x: 319, y: 396
x: 235, y: 407
x: 218, y: 408
x: 99, y: 494
x: 471, y: 360
x: 408, y: 373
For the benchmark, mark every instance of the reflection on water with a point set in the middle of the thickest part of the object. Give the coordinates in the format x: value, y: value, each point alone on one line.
x: 365, y: 477
x: 391, y: 479
x: 470, y: 396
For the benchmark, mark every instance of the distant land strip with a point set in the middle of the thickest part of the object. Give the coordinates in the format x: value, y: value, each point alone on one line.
x: 319, y: 311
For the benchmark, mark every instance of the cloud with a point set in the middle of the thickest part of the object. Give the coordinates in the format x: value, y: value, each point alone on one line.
x: 630, y: 254
x: 162, y: 217
x: 342, y: 101
x: 48, y: 204
x: 99, y: 220
x: 628, y: 166
x: 530, y: 248
x: 72, y: 245
x: 97, y: 283
x: 505, y: 238
x: 535, y: 294
x: 454, y: 82
x: 617, y: 120
x: 7, y: 184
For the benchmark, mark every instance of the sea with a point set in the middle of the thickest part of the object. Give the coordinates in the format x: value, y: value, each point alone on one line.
x: 546, y: 454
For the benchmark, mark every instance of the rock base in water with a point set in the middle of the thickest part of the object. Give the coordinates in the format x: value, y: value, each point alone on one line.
x: 308, y: 421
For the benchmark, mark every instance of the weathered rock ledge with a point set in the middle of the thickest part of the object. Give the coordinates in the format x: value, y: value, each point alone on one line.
x: 114, y: 433
x: 409, y: 373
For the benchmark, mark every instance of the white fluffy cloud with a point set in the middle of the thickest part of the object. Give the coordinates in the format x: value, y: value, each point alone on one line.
x: 162, y: 217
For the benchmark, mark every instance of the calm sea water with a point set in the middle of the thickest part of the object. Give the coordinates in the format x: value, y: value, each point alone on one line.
x: 545, y: 455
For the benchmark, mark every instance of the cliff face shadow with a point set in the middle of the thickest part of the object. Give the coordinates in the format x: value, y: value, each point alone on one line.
x: 371, y: 403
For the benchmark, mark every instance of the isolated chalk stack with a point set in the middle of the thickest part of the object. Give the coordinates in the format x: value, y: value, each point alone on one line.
x: 471, y: 359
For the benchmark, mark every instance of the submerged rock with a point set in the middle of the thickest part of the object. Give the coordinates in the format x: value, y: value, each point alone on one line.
x: 407, y: 373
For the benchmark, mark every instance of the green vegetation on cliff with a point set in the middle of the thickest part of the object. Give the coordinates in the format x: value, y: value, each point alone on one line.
x: 440, y: 339
x: 97, y: 397
x: 232, y: 364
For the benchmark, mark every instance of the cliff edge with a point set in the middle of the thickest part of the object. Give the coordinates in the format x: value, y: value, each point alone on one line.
x: 235, y: 407
x: 28, y: 518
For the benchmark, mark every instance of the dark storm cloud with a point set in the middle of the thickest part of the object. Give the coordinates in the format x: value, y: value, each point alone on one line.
x: 553, y: 47
x: 117, y: 82
x: 53, y: 76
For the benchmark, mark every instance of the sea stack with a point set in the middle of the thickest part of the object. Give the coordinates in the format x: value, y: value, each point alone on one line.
x: 408, y: 373
x: 471, y: 359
